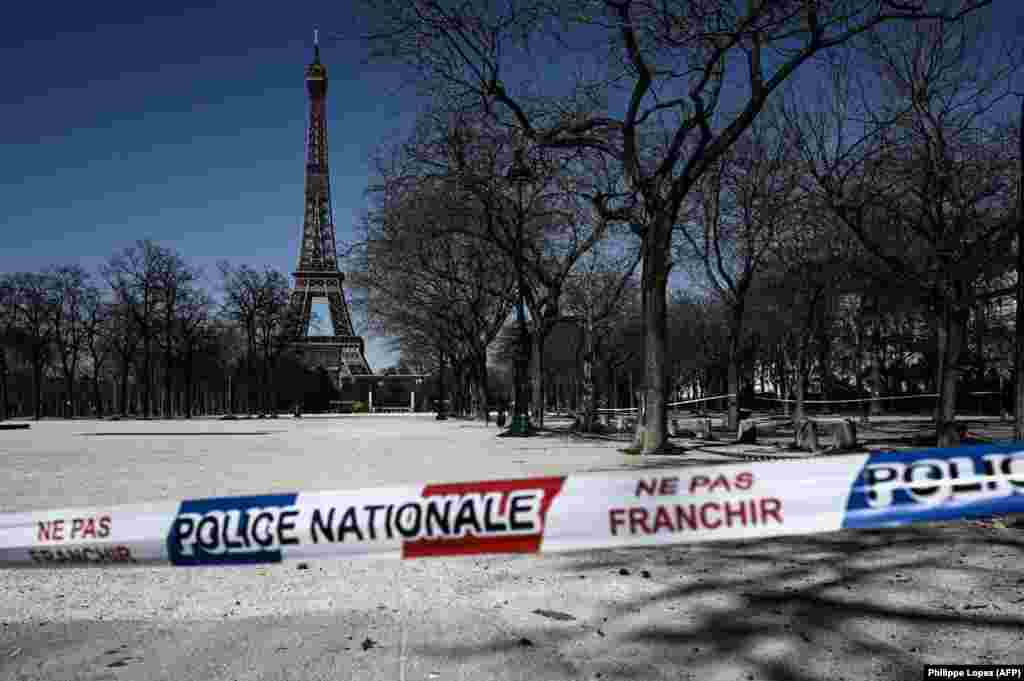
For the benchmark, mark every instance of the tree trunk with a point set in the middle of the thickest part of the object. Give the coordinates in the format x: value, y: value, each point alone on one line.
x: 824, y: 364
x: 467, y: 391
x: 124, y: 388
x: 455, y: 374
x: 37, y: 387
x: 1018, y: 388
x: 275, y: 392
x: 639, y: 434
x: 168, y: 409
x: 733, y: 388
x: 589, y: 405
x: 267, y: 409
x: 97, y: 394
x: 800, y: 384
x: 862, y: 355
x: 655, y: 285
x: 785, y: 384
x: 440, y: 407
x: 1018, y: 402
x: 189, y: 391
x: 5, y: 396
x: 537, y: 375
x: 251, y: 391
x: 876, y: 372
x: 952, y: 327
x: 613, y: 387
x: 69, y: 392
x: 147, y: 375
x: 483, y: 393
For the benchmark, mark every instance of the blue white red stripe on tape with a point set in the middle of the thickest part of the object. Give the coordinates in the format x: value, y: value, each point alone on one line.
x: 533, y: 515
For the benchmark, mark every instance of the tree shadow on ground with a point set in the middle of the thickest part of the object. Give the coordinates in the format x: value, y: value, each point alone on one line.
x: 852, y: 604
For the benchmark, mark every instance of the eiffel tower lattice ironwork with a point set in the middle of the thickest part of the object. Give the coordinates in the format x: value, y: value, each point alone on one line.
x: 317, y: 277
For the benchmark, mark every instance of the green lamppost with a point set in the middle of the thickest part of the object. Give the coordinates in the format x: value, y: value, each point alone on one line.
x: 519, y: 174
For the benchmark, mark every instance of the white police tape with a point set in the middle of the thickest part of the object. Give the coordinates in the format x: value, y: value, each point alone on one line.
x: 880, y: 398
x: 701, y: 399
x: 671, y: 404
x: 533, y: 515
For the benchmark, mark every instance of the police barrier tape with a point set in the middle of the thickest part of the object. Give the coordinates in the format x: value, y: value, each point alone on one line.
x: 879, y: 398
x: 533, y: 515
x: 713, y: 398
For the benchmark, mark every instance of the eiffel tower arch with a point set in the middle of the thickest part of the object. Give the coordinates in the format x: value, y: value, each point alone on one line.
x: 317, y: 276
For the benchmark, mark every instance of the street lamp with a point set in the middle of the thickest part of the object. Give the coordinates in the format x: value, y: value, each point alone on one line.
x: 520, y: 174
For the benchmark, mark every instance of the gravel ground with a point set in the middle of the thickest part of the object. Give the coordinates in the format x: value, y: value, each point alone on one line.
x: 847, y: 605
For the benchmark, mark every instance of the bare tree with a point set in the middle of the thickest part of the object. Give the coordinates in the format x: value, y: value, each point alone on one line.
x: 433, y: 281
x: 596, y: 294
x: 136, y: 276
x: 176, y: 282
x: 1018, y: 411
x: 699, y: 342
x: 529, y: 208
x: 124, y: 338
x: 8, y: 335
x: 743, y: 203
x: 97, y: 326
x: 34, y: 304
x: 670, y: 67
x: 808, y: 268
x: 223, y: 351
x: 259, y: 302
x: 242, y: 300
x: 70, y: 288
x: 925, y: 185
x: 192, y: 319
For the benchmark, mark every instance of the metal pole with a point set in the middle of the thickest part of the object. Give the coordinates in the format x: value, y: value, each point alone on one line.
x: 521, y: 419
x: 519, y: 174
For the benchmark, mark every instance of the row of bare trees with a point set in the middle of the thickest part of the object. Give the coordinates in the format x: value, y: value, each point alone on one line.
x: 145, y: 336
x: 818, y: 343
x: 809, y: 162
x: 462, y: 222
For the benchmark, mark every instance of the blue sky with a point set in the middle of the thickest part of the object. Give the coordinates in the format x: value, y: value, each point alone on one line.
x: 183, y: 122
x: 185, y: 126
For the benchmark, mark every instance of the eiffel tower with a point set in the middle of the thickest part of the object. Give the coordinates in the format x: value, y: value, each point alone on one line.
x: 317, y: 277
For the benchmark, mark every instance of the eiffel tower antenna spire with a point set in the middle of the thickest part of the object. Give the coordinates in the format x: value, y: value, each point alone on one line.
x: 316, y: 45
